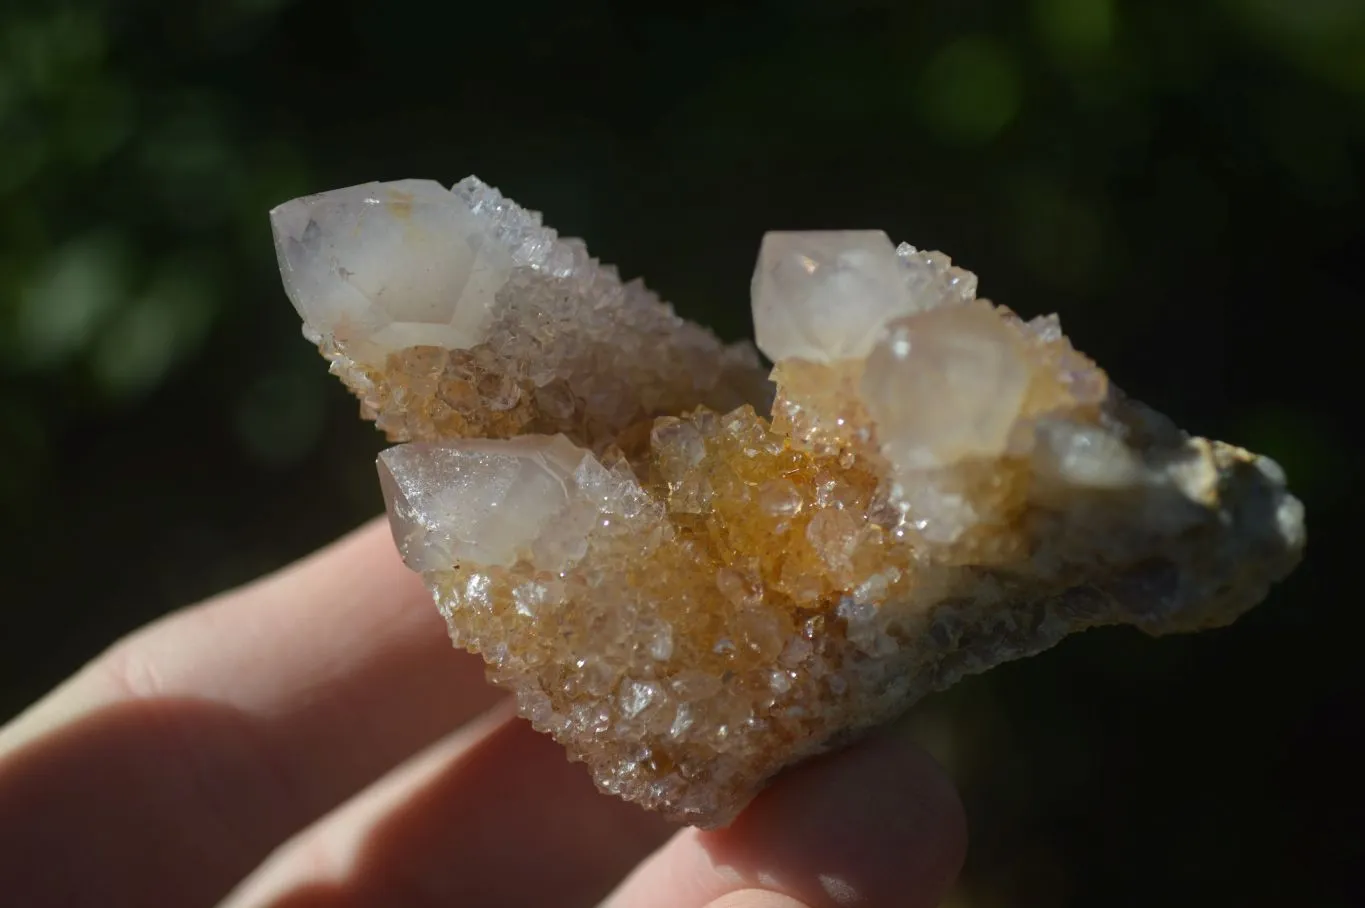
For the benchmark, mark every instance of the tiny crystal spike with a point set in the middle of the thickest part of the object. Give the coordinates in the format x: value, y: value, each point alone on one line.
x: 691, y: 595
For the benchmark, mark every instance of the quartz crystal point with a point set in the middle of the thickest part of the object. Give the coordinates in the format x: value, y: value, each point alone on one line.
x: 824, y: 296
x: 691, y: 594
x: 453, y: 312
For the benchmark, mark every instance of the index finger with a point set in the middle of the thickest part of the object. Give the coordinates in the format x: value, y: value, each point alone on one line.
x: 174, y: 762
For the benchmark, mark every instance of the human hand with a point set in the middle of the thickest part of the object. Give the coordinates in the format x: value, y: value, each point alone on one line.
x: 302, y: 726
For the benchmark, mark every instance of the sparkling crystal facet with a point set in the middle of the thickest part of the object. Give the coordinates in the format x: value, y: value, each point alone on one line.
x: 388, y: 266
x: 824, y: 296
x: 484, y: 502
x: 945, y: 386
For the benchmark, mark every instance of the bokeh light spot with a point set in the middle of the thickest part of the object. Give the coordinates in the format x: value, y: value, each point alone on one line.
x: 1074, y: 28
x: 156, y: 330
x: 279, y: 415
x: 970, y: 91
x: 62, y: 308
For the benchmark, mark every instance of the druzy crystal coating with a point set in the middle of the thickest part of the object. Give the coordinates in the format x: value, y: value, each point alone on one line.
x: 692, y: 576
x: 455, y: 313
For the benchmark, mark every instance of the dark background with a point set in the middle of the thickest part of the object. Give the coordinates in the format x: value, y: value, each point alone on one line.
x: 1182, y: 181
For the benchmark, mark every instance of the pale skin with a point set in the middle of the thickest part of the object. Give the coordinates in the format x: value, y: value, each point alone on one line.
x: 312, y: 739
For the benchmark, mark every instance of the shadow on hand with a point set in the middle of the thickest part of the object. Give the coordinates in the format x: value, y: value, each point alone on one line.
x: 141, y: 804
x: 148, y: 803
x: 508, y: 822
x: 164, y: 802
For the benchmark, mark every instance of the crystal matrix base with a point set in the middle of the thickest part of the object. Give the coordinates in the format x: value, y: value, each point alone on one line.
x: 690, y: 594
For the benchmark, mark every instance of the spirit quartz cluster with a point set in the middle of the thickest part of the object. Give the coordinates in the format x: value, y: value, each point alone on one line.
x: 692, y: 576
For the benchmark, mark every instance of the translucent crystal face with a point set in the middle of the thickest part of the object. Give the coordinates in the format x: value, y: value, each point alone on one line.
x: 1084, y: 456
x: 933, y: 280
x: 476, y: 501
x: 824, y: 296
x: 384, y: 266
x: 944, y: 386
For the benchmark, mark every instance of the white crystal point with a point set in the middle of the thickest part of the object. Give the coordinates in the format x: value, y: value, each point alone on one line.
x: 945, y: 386
x: 932, y: 278
x: 1084, y: 456
x: 478, y: 501
x: 385, y: 266
x: 825, y: 295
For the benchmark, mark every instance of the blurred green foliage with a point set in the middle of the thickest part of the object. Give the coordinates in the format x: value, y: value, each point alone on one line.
x: 1181, y: 180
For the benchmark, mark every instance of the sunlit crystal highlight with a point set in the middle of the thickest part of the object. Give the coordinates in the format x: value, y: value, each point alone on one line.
x: 946, y: 386
x: 483, y: 502
x: 824, y: 296
x: 387, y: 266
